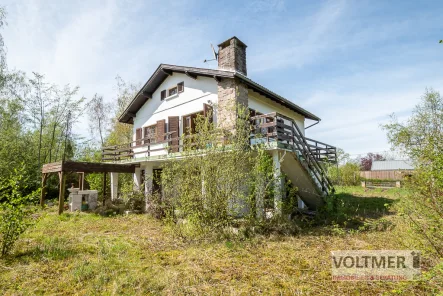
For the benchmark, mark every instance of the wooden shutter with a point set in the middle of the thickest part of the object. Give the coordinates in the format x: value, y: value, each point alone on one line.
x: 185, y: 125
x: 161, y: 128
x: 174, y: 129
x: 181, y: 87
x: 138, y: 137
x: 163, y: 95
x: 208, y: 111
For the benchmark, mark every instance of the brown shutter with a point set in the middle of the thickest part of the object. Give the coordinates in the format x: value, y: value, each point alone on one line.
x: 185, y: 125
x: 181, y: 87
x: 161, y: 124
x: 163, y: 95
x: 138, y: 136
x: 174, y: 129
x: 208, y: 111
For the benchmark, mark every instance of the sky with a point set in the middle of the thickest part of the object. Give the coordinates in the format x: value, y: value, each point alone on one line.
x: 352, y: 63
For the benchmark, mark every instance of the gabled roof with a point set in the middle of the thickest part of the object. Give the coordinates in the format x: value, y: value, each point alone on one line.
x: 391, y: 165
x: 164, y: 70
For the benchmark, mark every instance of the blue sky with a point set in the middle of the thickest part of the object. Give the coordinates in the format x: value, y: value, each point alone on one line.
x: 353, y: 63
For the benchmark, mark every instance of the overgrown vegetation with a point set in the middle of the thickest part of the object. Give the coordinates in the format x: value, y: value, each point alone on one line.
x: 136, y: 255
x: 15, y: 210
x: 220, y: 179
x: 421, y: 138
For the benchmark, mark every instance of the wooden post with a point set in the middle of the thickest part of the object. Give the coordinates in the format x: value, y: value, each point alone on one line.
x: 81, y: 180
x: 61, y: 195
x: 104, y: 188
x: 43, y: 192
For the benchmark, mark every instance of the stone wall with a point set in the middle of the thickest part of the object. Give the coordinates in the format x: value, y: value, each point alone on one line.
x: 232, y: 56
x: 231, y: 93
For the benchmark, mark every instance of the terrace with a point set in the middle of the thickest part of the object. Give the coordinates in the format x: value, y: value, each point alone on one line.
x: 273, y: 129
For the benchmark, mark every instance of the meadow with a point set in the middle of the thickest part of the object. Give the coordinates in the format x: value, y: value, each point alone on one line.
x: 87, y: 254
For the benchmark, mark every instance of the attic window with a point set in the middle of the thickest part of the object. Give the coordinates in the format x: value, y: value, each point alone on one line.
x: 181, y: 87
x: 172, y: 91
x: 163, y: 95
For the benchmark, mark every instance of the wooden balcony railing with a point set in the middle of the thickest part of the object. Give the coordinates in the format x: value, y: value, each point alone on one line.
x: 267, y: 127
x: 277, y: 127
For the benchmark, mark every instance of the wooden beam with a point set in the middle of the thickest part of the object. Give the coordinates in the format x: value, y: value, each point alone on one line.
x: 43, y: 192
x: 131, y: 114
x: 61, y: 194
x: 89, y: 167
x: 190, y: 75
x: 52, y: 167
x: 167, y: 72
x: 147, y: 94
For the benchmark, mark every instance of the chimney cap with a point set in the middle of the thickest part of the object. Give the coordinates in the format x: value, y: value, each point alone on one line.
x: 226, y: 42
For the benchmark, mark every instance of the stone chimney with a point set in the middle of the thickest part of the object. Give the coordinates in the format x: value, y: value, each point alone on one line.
x: 232, y: 55
x: 232, y: 93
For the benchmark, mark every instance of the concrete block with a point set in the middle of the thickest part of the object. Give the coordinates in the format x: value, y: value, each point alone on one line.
x: 75, y: 207
x: 92, y: 205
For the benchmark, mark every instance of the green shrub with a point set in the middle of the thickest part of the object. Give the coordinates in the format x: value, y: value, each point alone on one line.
x: 347, y: 174
x: 421, y: 138
x: 16, y: 210
x: 209, y: 190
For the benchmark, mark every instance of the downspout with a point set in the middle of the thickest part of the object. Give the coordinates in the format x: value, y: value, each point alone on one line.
x: 312, y: 125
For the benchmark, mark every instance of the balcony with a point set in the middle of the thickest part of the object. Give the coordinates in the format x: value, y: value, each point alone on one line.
x: 273, y: 129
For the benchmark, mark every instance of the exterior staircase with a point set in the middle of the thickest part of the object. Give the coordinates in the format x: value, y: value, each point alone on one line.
x: 304, y: 162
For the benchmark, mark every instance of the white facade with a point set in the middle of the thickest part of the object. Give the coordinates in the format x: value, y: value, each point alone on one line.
x: 197, y: 92
x: 191, y: 100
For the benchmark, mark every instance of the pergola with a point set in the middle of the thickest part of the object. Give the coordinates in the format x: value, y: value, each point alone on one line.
x: 63, y: 167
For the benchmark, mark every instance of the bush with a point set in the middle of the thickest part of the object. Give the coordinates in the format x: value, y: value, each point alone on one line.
x: 347, y: 174
x: 209, y: 189
x: 421, y: 138
x: 16, y: 210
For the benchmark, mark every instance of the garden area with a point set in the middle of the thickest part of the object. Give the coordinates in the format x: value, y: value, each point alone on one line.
x: 82, y: 253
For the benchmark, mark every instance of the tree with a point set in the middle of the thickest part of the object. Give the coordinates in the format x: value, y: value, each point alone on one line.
x: 98, y: 111
x: 421, y: 138
x: 2, y: 49
x: 121, y: 132
x: 366, y: 161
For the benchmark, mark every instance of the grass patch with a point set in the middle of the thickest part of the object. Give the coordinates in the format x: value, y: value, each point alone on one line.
x: 134, y: 255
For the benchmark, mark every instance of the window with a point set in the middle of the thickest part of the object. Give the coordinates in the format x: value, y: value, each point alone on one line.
x: 181, y: 87
x: 172, y: 91
x: 150, y: 133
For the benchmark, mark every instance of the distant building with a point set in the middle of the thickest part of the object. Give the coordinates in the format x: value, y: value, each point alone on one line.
x: 392, y: 165
x: 388, y: 170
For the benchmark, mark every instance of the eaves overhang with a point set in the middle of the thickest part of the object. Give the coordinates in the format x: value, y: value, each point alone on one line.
x: 165, y: 70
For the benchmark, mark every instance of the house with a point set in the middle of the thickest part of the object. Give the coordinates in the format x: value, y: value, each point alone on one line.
x: 394, y: 170
x: 166, y: 107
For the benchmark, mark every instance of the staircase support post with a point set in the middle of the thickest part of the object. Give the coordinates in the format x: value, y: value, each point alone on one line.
x: 279, y: 186
x: 114, y: 186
